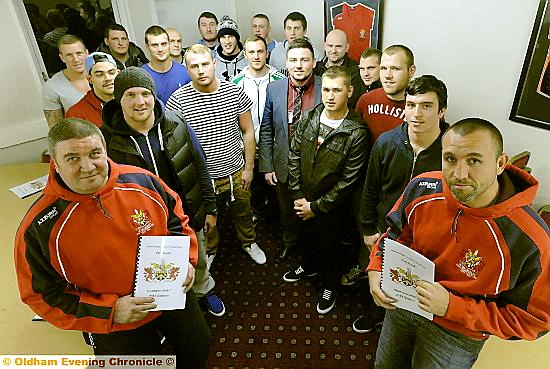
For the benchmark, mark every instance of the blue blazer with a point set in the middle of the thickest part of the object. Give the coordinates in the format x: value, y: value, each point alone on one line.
x: 273, y: 145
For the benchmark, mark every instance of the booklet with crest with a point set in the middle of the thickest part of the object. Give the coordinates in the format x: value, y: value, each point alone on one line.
x: 161, y: 269
x: 402, y: 268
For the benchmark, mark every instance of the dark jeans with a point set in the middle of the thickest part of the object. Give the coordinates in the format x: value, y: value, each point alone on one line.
x: 322, y: 245
x: 289, y: 220
x: 408, y: 340
x: 185, y: 330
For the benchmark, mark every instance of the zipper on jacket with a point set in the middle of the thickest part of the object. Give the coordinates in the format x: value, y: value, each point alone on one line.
x: 415, y: 156
x: 454, y: 227
x: 258, y: 100
x: 105, y: 212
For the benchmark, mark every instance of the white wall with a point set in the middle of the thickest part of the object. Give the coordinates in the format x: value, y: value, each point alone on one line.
x: 21, y: 117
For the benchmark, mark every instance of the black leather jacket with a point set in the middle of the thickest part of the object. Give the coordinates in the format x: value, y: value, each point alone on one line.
x: 328, y: 176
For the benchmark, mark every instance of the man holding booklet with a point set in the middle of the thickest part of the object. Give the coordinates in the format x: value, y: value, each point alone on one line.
x: 490, y: 249
x: 76, y: 248
x: 411, y: 148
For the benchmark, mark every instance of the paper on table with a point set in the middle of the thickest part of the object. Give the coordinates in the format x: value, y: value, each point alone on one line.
x: 31, y: 187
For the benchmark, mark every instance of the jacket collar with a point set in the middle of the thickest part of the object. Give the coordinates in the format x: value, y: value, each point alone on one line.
x: 351, y: 122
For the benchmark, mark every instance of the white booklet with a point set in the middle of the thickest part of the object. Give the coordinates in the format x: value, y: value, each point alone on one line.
x: 31, y: 187
x: 161, y: 269
x: 402, y: 268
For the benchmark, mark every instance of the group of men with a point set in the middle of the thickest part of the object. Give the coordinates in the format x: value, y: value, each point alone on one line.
x: 355, y: 152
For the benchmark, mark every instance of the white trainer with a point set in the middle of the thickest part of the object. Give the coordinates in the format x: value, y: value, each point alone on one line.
x: 256, y: 253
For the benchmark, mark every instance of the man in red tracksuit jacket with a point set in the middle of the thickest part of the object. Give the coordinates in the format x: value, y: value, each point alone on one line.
x: 75, y: 251
x: 490, y: 249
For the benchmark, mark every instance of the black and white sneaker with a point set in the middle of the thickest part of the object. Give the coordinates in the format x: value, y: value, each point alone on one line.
x: 298, y: 274
x: 327, y: 301
x: 367, y: 323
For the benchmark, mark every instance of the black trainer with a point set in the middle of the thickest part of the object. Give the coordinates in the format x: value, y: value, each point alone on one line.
x: 327, y: 301
x: 298, y: 274
x: 366, y: 323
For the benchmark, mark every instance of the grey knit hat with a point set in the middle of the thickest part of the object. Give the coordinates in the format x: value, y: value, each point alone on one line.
x: 133, y: 77
x: 227, y: 26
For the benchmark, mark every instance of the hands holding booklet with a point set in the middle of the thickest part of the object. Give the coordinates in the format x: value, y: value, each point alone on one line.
x: 163, y: 277
x: 407, y: 282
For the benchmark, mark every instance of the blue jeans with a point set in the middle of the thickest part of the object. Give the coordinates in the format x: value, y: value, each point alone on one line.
x: 408, y: 340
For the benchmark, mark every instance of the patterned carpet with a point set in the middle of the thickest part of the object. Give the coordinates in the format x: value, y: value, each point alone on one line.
x: 273, y: 324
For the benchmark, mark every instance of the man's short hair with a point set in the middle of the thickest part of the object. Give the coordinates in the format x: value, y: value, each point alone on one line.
x: 197, y: 49
x: 296, y: 16
x: 371, y: 51
x: 394, y: 49
x: 262, y: 16
x: 114, y: 27
x: 69, y: 40
x: 428, y: 83
x: 255, y: 38
x: 301, y: 43
x: 208, y: 15
x: 469, y: 125
x: 337, y: 71
x: 72, y: 128
x: 155, y: 31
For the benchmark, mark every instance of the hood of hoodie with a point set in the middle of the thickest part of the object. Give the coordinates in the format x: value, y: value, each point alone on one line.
x: 526, y: 187
x: 271, y: 72
x: 113, y: 118
x: 238, y: 58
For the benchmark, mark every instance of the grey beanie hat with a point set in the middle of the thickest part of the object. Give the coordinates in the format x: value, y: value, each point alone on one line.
x: 133, y: 77
x: 228, y: 27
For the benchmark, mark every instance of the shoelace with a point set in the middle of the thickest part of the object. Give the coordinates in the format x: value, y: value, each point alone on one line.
x: 327, y: 294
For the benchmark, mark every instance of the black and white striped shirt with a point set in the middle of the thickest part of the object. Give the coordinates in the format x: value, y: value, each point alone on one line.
x: 214, y: 118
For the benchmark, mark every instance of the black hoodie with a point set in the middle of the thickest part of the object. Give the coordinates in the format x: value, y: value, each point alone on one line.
x: 170, y: 149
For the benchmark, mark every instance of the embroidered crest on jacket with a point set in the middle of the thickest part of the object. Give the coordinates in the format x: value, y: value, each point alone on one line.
x: 470, y: 263
x: 141, y: 221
